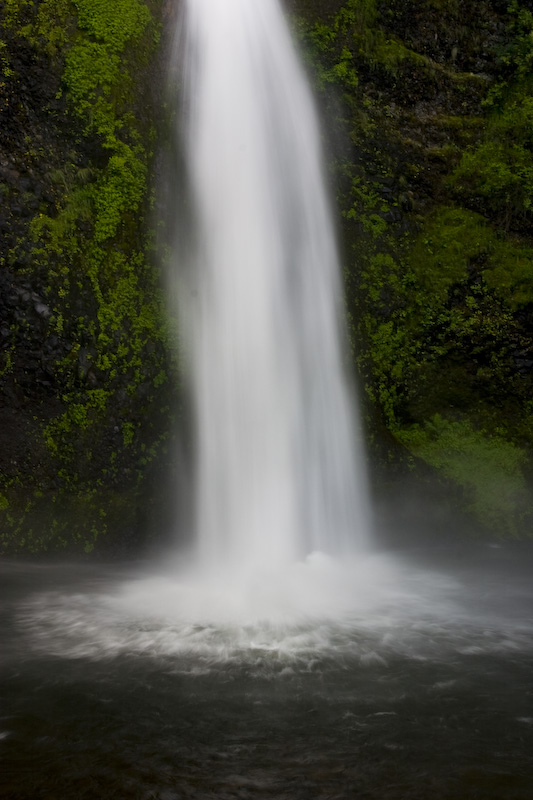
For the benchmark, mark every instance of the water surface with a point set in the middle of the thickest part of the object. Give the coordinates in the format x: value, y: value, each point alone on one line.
x: 424, y: 692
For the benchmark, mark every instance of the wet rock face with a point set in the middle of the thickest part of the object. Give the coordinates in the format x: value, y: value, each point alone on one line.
x: 402, y: 86
x: 72, y: 425
x: 313, y: 9
x: 32, y: 143
x: 34, y: 140
x: 425, y: 108
x: 459, y: 35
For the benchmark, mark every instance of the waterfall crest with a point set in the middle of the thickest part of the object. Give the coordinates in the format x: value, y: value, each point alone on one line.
x: 278, y: 474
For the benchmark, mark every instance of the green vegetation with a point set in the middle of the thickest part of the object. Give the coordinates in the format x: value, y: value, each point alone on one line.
x: 45, y: 25
x: 488, y: 467
x: 432, y: 156
x: 352, y: 37
x: 497, y: 174
x: 429, y: 118
x: 92, y: 248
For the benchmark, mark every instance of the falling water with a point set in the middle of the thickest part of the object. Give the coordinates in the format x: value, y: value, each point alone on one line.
x: 330, y: 677
x: 277, y: 472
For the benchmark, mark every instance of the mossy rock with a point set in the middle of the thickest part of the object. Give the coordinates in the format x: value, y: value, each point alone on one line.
x: 489, y: 469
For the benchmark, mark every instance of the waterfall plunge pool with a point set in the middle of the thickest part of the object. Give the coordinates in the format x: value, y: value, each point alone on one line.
x: 370, y: 679
x: 127, y: 683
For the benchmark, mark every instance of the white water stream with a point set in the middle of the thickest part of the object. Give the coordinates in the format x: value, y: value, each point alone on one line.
x: 268, y: 669
x: 282, y: 564
x: 279, y: 472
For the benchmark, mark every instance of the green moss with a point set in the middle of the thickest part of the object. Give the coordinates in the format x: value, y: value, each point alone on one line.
x: 455, y: 242
x: 6, y: 73
x: 510, y: 272
x: 450, y: 240
x: 354, y: 38
x: 487, y: 467
x: 91, y: 248
x: 72, y: 523
x: 368, y: 207
x: 437, y: 322
x: 357, y: 21
x: 128, y: 432
x: 497, y: 174
x: 435, y: 196
x: 46, y: 25
x: 114, y: 24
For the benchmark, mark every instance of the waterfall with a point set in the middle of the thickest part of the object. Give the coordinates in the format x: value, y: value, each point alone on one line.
x: 278, y: 468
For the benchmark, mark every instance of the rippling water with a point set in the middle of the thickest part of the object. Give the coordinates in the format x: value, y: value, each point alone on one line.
x: 413, y: 682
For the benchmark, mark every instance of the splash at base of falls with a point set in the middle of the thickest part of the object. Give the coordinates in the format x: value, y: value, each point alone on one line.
x: 319, y: 614
x: 109, y: 688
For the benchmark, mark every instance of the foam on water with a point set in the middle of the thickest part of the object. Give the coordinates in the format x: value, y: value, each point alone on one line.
x: 317, y: 614
x: 282, y: 579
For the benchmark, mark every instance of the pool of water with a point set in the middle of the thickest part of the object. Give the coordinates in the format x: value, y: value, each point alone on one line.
x: 123, y: 682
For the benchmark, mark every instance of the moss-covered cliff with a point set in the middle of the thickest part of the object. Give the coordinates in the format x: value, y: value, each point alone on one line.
x: 83, y: 369
x: 429, y: 110
x: 428, y: 113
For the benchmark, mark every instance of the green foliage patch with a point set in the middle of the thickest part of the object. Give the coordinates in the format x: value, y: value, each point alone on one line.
x: 497, y: 175
x: 487, y: 466
x: 92, y: 246
x: 47, y: 24
x: 93, y: 251
x: 451, y: 239
x: 455, y: 243
x: 436, y: 198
